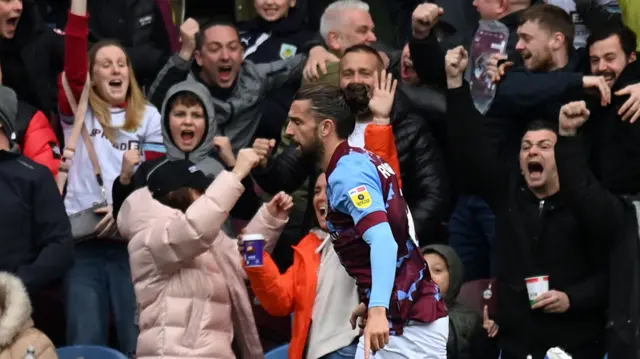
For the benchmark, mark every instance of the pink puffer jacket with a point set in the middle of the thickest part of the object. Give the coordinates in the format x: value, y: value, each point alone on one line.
x: 188, y: 275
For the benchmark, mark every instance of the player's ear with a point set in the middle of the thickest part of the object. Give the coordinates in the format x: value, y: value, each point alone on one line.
x: 325, y: 128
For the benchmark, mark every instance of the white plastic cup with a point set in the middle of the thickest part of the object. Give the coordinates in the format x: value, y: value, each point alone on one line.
x: 253, y: 250
x: 537, y: 286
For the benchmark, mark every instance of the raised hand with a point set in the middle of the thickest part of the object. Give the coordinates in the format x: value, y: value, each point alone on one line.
x: 188, y: 31
x: 280, y: 206
x: 225, y: 151
x: 246, y: 161
x: 130, y: 160
x: 263, y: 148
x: 316, y: 65
x: 384, y: 91
x: 572, y: 116
x: 600, y: 84
x: 455, y: 63
x: 424, y: 18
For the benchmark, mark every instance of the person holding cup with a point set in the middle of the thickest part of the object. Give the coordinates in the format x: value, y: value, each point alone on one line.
x: 187, y: 273
x: 554, y: 225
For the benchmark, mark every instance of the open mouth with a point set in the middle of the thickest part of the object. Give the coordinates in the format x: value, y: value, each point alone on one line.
x: 535, y: 169
x: 13, y: 21
x: 225, y: 72
x: 323, y: 211
x: 116, y: 84
x: 187, y: 135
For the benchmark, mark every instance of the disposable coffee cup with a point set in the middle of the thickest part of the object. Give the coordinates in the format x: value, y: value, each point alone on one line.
x: 253, y: 250
x: 537, y: 286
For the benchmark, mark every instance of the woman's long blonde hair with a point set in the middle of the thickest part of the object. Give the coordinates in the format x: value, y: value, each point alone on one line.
x: 136, y: 102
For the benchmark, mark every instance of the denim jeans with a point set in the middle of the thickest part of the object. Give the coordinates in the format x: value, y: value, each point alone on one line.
x: 348, y: 352
x: 97, y: 285
x: 472, y: 235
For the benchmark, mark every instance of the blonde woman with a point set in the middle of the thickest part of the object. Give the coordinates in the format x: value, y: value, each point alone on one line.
x: 118, y: 119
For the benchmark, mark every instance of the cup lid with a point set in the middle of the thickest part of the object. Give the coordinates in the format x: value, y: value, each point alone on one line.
x: 253, y: 237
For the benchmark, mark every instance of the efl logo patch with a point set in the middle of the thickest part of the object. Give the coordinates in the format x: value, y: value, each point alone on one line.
x: 360, y: 197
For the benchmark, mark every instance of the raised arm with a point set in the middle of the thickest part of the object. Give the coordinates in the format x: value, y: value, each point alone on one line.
x: 478, y: 140
x: 184, y: 236
x: 426, y: 53
x: 599, y: 210
x: 76, y: 54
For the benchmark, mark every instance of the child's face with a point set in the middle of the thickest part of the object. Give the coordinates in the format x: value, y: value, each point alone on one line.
x: 274, y: 10
x: 439, y: 271
x: 187, y: 125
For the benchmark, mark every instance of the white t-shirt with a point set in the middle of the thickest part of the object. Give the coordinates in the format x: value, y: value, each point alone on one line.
x: 356, y: 139
x: 83, y: 190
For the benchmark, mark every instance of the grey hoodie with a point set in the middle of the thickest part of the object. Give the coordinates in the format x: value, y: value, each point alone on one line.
x: 464, y: 324
x: 201, y: 154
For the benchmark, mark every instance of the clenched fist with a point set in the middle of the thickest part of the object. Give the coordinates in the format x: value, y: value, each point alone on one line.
x: 130, y: 160
x: 188, y: 32
x: 424, y: 18
x: 455, y: 63
x: 263, y: 148
x: 572, y: 116
x: 246, y: 161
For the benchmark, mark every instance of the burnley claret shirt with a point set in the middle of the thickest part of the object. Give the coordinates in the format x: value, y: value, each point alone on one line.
x: 368, y: 219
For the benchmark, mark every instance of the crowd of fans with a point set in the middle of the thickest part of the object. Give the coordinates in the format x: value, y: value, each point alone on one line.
x: 141, y: 141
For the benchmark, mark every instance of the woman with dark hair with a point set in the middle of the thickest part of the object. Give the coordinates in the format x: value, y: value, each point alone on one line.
x: 117, y: 120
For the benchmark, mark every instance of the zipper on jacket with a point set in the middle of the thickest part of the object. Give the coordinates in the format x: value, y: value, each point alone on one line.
x: 541, y: 208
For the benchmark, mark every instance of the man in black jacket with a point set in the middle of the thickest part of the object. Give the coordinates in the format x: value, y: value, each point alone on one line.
x: 552, y: 219
x: 35, y: 240
x: 422, y: 171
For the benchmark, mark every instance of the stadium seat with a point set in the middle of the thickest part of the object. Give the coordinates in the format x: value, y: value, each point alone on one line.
x: 88, y: 352
x: 281, y: 352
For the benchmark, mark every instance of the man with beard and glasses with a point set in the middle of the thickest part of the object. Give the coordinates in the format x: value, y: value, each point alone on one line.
x: 553, y: 219
x: 371, y: 231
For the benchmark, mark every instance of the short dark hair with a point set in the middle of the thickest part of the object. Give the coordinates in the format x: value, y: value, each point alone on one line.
x: 179, y: 199
x: 206, y: 24
x: 329, y: 102
x: 186, y: 98
x: 539, y: 125
x: 365, y: 49
x: 628, y: 38
x: 552, y: 18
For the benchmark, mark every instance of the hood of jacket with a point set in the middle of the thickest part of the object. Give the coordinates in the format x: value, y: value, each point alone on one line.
x: 16, y: 308
x: 201, y: 154
x: 456, y: 270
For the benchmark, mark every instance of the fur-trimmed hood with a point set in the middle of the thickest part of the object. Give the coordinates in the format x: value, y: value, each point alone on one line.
x: 16, y: 308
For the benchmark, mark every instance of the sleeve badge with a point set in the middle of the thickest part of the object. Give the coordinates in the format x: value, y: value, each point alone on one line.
x: 360, y: 197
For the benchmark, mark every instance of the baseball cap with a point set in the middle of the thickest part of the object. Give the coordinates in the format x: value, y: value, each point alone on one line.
x: 173, y: 175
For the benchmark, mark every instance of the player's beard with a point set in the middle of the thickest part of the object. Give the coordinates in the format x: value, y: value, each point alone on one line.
x: 314, y: 152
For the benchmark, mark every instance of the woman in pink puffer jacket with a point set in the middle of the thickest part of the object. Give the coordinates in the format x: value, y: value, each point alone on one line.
x: 188, y: 275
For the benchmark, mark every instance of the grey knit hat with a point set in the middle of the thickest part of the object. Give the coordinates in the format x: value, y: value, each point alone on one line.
x: 8, y: 111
